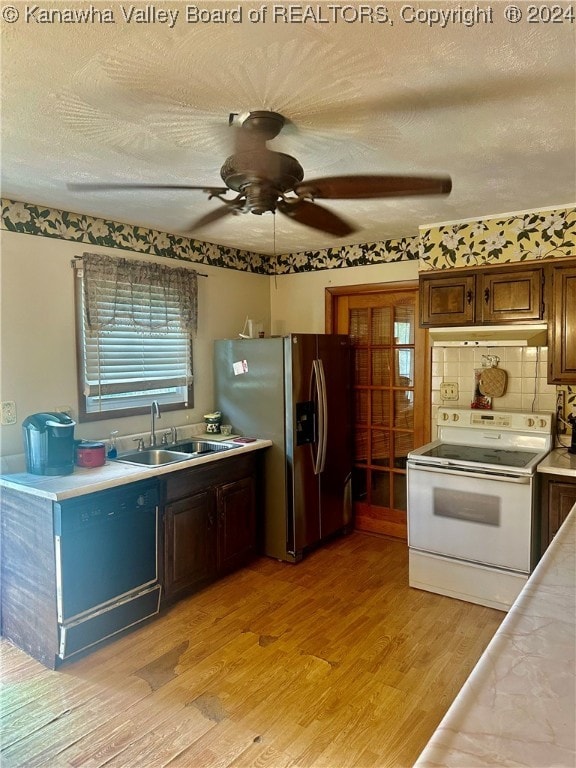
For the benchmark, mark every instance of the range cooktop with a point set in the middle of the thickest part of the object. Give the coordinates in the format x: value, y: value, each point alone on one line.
x: 481, y: 455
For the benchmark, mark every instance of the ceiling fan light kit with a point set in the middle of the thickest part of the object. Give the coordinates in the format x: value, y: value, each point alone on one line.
x: 269, y: 181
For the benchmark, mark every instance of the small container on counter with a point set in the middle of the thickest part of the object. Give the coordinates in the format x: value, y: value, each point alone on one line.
x: 212, y: 421
x: 90, y: 454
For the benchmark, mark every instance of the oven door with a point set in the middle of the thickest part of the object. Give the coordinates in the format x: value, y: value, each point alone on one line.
x: 481, y: 518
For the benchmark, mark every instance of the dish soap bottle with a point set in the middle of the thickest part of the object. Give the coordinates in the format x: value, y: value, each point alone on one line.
x: 112, y: 450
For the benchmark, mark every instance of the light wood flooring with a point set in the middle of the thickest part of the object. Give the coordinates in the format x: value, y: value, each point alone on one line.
x: 330, y: 663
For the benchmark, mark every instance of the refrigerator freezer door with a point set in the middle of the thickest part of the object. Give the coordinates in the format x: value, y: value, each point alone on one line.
x: 303, y: 486
x: 335, y: 480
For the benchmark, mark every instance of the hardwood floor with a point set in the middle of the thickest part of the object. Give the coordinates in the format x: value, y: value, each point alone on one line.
x: 330, y: 663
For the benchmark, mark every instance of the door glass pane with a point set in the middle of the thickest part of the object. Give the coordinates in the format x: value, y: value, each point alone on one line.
x: 399, y: 485
x: 381, y: 407
x: 404, y: 408
x: 359, y: 326
x: 361, y: 403
x: 381, y: 367
x: 359, y: 484
x: 403, y: 443
x: 380, y: 448
x: 361, y: 370
x: 361, y: 446
x: 404, y: 324
x: 404, y: 368
x: 380, y: 486
x: 381, y: 325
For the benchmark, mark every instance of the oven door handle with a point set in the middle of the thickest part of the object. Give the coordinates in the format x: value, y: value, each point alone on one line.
x: 487, y: 474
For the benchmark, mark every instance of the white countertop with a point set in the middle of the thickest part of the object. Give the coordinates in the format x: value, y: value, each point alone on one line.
x: 112, y: 474
x: 517, y: 706
x: 559, y: 462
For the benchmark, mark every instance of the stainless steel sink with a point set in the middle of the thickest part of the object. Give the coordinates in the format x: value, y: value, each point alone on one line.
x: 158, y: 457
x: 200, y: 447
x: 153, y: 457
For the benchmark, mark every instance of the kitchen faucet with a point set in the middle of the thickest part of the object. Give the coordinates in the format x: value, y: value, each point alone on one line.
x: 154, y: 413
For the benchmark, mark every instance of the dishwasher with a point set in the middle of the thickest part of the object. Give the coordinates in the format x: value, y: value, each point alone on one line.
x: 106, y: 547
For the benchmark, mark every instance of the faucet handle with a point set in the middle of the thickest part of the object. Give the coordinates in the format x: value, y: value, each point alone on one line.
x: 140, y: 441
x: 174, y: 433
x: 165, y: 438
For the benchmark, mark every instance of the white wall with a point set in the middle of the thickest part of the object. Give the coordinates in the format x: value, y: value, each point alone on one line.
x: 37, y: 334
x: 297, y: 301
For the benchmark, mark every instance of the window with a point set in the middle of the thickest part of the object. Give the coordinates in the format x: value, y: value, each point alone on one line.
x: 135, y: 322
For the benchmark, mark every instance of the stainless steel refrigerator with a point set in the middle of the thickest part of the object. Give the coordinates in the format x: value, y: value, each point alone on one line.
x: 296, y: 391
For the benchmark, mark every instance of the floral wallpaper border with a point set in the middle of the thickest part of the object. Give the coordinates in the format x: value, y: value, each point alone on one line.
x: 31, y: 219
x: 363, y: 255
x: 528, y: 236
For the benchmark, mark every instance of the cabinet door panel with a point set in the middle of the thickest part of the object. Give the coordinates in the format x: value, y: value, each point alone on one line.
x: 236, y: 523
x: 513, y: 295
x: 190, y: 543
x: 562, y: 342
x: 561, y: 500
x: 447, y: 300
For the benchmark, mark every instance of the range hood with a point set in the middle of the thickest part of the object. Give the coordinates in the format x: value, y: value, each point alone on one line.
x: 535, y: 335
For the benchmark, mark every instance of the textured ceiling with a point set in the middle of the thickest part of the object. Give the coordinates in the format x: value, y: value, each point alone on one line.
x: 493, y: 105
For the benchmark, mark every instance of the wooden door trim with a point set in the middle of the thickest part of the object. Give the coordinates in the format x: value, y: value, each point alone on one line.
x: 331, y: 296
x: 338, y: 302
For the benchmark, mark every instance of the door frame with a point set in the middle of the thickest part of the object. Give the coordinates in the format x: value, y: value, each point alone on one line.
x: 332, y: 295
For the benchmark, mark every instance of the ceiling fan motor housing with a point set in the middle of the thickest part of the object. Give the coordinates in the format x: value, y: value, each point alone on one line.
x: 262, y: 175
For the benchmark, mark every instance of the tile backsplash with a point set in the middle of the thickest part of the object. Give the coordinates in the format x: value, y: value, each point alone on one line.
x: 527, y: 386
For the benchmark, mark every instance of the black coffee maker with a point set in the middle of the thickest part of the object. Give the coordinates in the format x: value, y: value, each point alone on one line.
x: 49, y: 443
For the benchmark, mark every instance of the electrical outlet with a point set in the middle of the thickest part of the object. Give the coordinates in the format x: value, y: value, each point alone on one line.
x: 448, y: 391
x: 8, y: 413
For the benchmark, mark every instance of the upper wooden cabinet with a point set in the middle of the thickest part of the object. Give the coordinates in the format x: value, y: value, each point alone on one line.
x: 483, y: 297
x: 562, y: 325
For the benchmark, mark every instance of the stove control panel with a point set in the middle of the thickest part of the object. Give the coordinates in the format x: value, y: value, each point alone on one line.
x: 503, y: 420
x: 492, y: 419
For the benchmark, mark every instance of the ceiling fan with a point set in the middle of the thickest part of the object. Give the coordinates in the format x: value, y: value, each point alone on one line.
x: 265, y: 180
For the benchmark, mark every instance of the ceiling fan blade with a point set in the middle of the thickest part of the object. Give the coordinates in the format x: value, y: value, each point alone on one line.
x: 100, y: 187
x: 316, y: 216
x: 364, y: 187
x: 213, y: 216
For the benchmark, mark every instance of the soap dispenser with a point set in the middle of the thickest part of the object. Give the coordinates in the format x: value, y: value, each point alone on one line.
x: 112, y: 450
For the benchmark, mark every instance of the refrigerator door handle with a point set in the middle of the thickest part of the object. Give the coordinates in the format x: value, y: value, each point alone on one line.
x: 322, y: 400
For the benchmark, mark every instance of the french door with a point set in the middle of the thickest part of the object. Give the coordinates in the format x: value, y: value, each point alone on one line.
x: 391, y: 395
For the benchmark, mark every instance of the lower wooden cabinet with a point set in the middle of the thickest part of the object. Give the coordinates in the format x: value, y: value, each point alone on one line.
x: 557, y: 497
x: 236, y: 527
x: 209, y: 523
x: 189, y: 543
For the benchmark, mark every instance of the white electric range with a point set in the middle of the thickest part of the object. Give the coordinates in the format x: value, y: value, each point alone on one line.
x: 472, y: 528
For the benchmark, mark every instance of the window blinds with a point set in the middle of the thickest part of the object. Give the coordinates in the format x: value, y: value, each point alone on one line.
x: 137, y: 323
